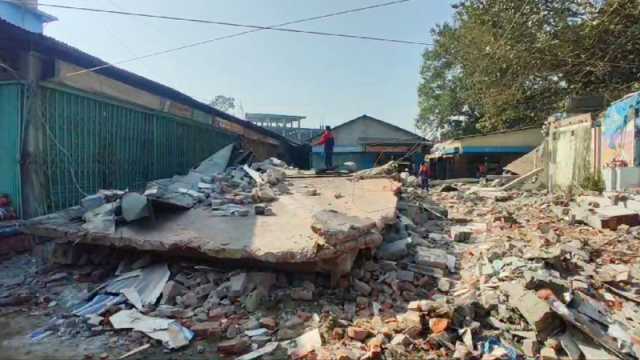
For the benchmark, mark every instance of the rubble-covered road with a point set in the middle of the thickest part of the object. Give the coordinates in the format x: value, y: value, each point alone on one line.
x: 462, y: 275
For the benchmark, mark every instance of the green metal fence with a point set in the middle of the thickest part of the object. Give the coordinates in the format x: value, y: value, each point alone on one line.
x: 93, y: 143
x: 11, y: 111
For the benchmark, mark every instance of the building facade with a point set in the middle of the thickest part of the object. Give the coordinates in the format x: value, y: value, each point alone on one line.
x: 369, y: 142
x: 461, y: 157
x: 288, y: 126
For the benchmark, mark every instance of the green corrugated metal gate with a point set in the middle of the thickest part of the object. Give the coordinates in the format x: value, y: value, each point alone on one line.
x: 11, y: 107
x: 91, y: 143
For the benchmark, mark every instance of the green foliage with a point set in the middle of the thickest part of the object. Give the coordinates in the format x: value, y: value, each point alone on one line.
x: 509, y: 63
x: 223, y: 103
x: 593, y: 182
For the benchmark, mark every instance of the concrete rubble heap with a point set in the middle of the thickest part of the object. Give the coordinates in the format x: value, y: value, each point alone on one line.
x: 461, y: 274
x: 256, y: 213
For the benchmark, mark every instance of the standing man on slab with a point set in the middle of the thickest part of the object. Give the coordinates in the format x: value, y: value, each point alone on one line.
x: 328, y: 141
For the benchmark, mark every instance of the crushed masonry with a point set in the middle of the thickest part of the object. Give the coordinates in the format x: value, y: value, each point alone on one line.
x: 460, y: 272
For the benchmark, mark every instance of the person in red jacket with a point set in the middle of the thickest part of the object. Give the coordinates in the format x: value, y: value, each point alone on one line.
x: 328, y: 141
x: 424, y: 176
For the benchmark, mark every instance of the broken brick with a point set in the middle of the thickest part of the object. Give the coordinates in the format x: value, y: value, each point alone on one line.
x: 358, y: 333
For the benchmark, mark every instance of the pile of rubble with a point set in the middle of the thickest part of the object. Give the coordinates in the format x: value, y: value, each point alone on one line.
x: 461, y: 274
x: 227, y: 190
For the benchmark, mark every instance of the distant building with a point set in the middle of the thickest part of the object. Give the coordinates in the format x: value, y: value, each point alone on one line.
x: 288, y: 126
x: 25, y: 14
x: 461, y: 157
x: 370, y: 142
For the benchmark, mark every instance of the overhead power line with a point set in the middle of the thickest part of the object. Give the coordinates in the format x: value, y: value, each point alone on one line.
x: 252, y: 28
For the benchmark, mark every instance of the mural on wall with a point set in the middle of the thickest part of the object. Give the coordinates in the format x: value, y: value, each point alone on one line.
x: 620, y: 131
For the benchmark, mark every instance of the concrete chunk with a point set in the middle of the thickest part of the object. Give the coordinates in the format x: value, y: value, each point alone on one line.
x: 170, y: 291
x: 535, y: 310
x: 395, y: 250
x: 432, y: 257
x: 235, y: 346
x: 92, y: 202
x: 238, y: 284
x: 134, y: 206
x: 461, y: 233
x: 404, y: 275
x: 361, y: 287
x: 337, y: 228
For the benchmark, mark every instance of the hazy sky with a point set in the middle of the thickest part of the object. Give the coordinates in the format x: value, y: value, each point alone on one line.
x: 329, y: 80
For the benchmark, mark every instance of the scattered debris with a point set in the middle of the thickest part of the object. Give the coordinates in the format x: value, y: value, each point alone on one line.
x: 459, y: 272
x: 169, y: 332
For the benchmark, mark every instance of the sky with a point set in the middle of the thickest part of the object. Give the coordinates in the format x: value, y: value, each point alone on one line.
x: 328, y: 80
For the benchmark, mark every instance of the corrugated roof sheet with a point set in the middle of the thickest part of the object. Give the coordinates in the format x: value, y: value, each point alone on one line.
x: 21, y: 39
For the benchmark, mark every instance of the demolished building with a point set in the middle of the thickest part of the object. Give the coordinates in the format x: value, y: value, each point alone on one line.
x: 461, y: 157
x: 73, y: 124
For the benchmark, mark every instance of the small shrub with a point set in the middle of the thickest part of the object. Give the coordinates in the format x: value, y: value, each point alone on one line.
x: 593, y: 182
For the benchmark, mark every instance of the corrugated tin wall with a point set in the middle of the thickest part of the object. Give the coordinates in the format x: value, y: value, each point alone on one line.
x: 92, y: 143
x: 11, y: 107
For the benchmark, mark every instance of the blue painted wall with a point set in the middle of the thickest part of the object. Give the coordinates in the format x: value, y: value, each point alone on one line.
x: 362, y: 159
x: 22, y: 17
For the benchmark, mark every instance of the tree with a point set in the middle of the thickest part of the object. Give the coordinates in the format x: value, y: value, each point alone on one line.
x: 223, y: 103
x: 508, y: 63
x: 443, y: 100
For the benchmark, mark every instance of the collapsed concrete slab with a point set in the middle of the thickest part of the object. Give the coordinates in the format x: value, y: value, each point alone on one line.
x: 285, y: 240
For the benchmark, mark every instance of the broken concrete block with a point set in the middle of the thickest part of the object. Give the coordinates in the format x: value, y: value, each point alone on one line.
x: 337, y: 228
x: 302, y: 293
x: 253, y: 301
x: 221, y: 312
x: 269, y: 323
x: 261, y: 280
x: 426, y: 270
x: 304, y: 344
x: 358, y: 333
x: 238, y: 284
x: 207, y: 329
x: 432, y: 257
x: 461, y: 233
x: 134, y: 206
x: 263, y: 194
x: 190, y: 299
x: 395, y: 250
x: 401, y: 340
x: 361, y: 287
x: 235, y: 346
x: 404, y: 275
x: 535, y: 310
x: 92, y: 202
x: 614, y: 272
x: 438, y: 237
x: 388, y: 266
x: 170, y: 291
